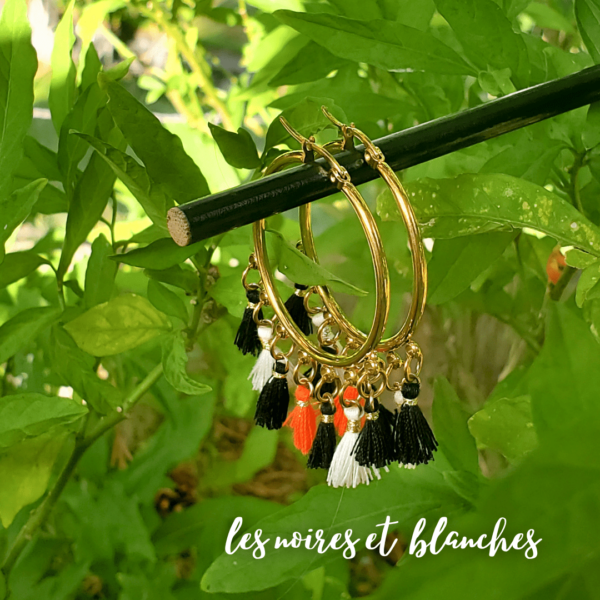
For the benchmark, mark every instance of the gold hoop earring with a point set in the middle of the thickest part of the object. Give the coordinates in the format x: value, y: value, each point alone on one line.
x: 375, y: 159
x: 343, y: 397
x: 340, y: 176
x: 414, y: 441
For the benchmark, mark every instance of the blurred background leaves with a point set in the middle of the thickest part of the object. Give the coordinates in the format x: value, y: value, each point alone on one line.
x: 114, y: 111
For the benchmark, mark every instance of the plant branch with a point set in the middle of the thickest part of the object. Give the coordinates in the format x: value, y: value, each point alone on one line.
x: 200, y: 68
x: 522, y: 332
x: 556, y: 290
x: 192, y: 330
x: 41, y: 513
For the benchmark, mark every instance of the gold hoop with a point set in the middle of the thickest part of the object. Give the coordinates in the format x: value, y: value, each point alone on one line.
x: 340, y: 176
x: 375, y: 159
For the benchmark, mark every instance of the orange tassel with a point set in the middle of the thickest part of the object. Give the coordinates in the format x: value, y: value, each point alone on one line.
x: 303, y: 420
x: 340, y: 420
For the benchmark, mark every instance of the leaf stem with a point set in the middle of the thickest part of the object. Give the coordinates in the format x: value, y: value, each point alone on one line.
x: 577, y: 164
x: 120, y: 46
x: 41, y: 513
x: 556, y: 290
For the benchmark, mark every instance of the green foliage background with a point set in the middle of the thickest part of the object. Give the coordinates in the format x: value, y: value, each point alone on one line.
x: 126, y: 444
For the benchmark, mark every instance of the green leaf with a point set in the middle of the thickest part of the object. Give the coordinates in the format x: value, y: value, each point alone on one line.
x: 74, y: 286
x: 29, y: 415
x: 450, y: 420
x: 18, y: 65
x: 512, y: 8
x: 174, y: 362
x: 118, y: 325
x: 385, y: 44
x: 226, y: 291
x: 154, y: 201
x: 128, y: 530
x: 547, y: 17
x: 25, y: 470
x: 64, y: 584
x: 354, y: 96
x: 478, y: 203
x: 62, y: 85
x: 100, y: 273
x: 15, y: 209
x: 587, y: 282
x: 152, y: 233
x: 591, y: 132
x: 587, y: 13
x: 184, y: 529
x: 456, y: 263
x: 487, y: 37
x: 167, y: 301
x: 89, y: 201
x: 23, y: 328
x: 161, y: 152
x: 89, y: 67
x: 415, y: 14
x: 300, y: 269
x: 424, y: 491
x: 84, y: 116
x: 153, y: 587
x: 120, y: 70
x: 505, y: 425
x: 38, y: 161
x: 18, y: 265
x: 578, y: 259
x: 554, y: 499
x: 78, y: 370
x: 313, y: 62
x: 567, y: 370
x: 496, y: 82
x: 529, y: 159
x: 162, y: 254
x: 177, y: 440
x: 176, y: 276
x: 259, y: 452
x: 238, y: 149
x: 552, y: 492
x: 51, y: 200
x: 306, y: 117
x: 91, y: 18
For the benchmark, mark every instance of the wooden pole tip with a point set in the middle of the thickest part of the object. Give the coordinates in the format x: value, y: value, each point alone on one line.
x: 179, y: 227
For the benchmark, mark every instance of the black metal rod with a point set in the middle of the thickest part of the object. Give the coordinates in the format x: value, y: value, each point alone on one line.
x: 296, y: 186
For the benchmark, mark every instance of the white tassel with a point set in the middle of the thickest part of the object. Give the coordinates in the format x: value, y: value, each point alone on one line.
x: 265, y: 363
x: 398, y: 399
x: 344, y: 470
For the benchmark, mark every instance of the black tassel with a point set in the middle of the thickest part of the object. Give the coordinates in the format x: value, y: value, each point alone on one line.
x: 272, y: 406
x: 295, y: 306
x: 324, y: 443
x: 414, y: 441
x: 388, y: 419
x: 374, y: 446
x: 246, y: 338
x: 327, y: 387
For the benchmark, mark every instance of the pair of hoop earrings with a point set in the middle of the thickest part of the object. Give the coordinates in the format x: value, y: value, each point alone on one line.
x: 342, y: 370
